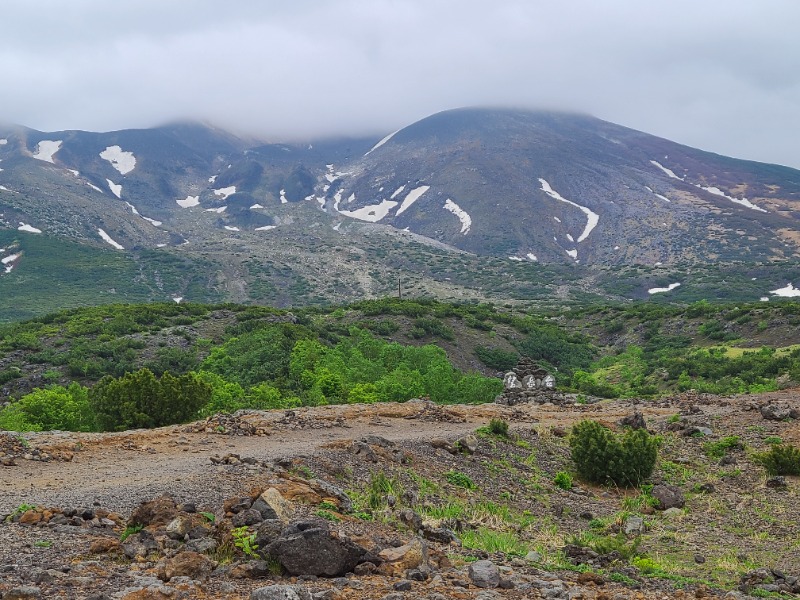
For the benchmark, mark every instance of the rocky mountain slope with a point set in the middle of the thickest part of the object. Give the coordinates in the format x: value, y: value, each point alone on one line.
x: 400, y: 501
x: 470, y: 203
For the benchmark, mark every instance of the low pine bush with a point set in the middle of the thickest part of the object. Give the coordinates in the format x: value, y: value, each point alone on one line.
x: 603, y: 457
x: 783, y: 459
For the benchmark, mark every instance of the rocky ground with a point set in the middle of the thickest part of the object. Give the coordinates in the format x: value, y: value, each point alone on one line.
x: 400, y: 501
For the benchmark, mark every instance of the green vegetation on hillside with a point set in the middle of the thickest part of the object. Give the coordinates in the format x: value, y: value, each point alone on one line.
x: 380, y: 350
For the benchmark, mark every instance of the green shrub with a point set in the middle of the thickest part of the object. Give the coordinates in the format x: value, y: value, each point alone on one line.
x: 563, y: 480
x: 498, y: 427
x: 496, y: 358
x: 601, y: 456
x: 139, y: 400
x: 782, y: 459
x: 721, y: 447
x: 460, y: 479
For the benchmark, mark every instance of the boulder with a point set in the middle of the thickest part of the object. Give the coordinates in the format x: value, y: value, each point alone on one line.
x: 139, y: 545
x: 272, y: 505
x: 777, y: 412
x: 154, y: 513
x: 309, y: 548
x: 280, y: 592
x: 25, y: 592
x: 186, y: 564
x: 484, y: 574
x: 467, y: 444
x: 250, y: 516
x: 634, y: 421
x: 396, y: 561
x: 334, y: 492
x: 668, y: 496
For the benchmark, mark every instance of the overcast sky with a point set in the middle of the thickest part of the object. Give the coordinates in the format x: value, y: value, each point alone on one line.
x: 721, y: 75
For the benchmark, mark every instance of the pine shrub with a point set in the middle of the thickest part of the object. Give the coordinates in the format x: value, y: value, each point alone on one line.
x: 603, y: 457
x: 783, y: 459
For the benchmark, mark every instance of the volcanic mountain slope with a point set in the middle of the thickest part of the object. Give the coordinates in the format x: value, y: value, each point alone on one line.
x: 470, y: 203
x: 554, y: 187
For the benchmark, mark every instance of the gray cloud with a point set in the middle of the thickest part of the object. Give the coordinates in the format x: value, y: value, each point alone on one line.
x: 721, y: 75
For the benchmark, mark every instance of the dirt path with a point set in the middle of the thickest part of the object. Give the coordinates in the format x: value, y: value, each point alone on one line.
x: 120, y: 470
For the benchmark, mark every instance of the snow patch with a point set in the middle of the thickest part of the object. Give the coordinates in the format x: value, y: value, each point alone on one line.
x: 230, y: 228
x: 786, y: 292
x: 592, y: 218
x: 212, y: 179
x: 463, y: 216
x: 382, y: 142
x: 189, y: 201
x: 283, y: 197
x: 95, y: 188
x: 515, y: 258
x: 115, y: 189
x: 74, y: 172
x: 122, y: 161
x: 337, y: 226
x: 669, y: 288
x: 3, y: 142
x: 669, y: 172
x: 741, y: 201
x: 255, y: 206
x: 28, y: 228
x: 219, y: 210
x: 532, y: 257
x: 412, y: 197
x: 178, y: 299
x: 573, y: 254
x: 46, y: 149
x: 557, y: 219
x: 397, y: 192
x: 372, y: 213
x: 266, y: 228
x: 570, y: 238
x: 225, y: 192
x: 764, y: 298
x: 107, y: 239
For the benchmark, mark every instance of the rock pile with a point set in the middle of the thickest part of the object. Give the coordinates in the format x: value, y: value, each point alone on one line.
x: 528, y: 382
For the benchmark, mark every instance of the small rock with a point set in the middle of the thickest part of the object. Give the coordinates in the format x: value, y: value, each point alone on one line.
x: 533, y: 556
x: 467, y: 444
x: 25, y: 592
x: 778, y: 481
x: 634, y: 421
x: 672, y: 513
x: 484, y: 574
x: 247, y: 517
x: 403, y: 585
x: 186, y: 564
x: 634, y: 525
x: 668, y: 496
x: 272, y: 505
x: 399, y: 560
x: 699, y: 559
x: 280, y: 592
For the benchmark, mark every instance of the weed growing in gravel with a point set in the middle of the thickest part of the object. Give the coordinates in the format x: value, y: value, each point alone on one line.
x: 209, y: 516
x: 380, y: 487
x: 42, y: 544
x: 460, y: 479
x: 498, y: 427
x: 563, y: 480
x: 328, y: 515
x: 21, y: 509
x: 773, y: 439
x: 490, y: 541
x: 721, y: 447
x: 129, y: 531
x: 245, y: 541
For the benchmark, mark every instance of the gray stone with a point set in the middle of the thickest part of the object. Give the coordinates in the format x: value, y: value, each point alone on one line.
x: 484, y: 574
x: 668, y: 496
x: 634, y: 525
x: 280, y: 592
x: 245, y: 518
x: 673, y: 513
x: 467, y: 444
x: 533, y: 556
x: 404, y: 585
x: 24, y: 592
x: 776, y: 412
x: 202, y: 545
x: 271, y: 505
x: 308, y: 548
x: 334, y: 491
x: 139, y: 545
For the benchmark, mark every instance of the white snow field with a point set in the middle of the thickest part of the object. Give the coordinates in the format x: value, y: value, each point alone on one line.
x: 669, y: 288
x: 669, y: 172
x: 107, y: 239
x: 225, y: 192
x: 787, y: 292
x: 463, y: 217
x: 28, y: 228
x: 46, y: 149
x: 741, y: 201
x: 382, y: 142
x: 397, y: 192
x: 412, y: 197
x: 372, y: 213
x: 592, y: 218
x: 189, y: 201
x: 122, y: 161
x: 115, y: 189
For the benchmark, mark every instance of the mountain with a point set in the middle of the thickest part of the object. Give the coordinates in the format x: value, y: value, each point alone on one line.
x: 468, y: 204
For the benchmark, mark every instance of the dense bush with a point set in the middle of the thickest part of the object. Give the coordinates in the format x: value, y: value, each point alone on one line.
x: 496, y: 358
x: 54, y: 407
x: 601, y: 456
x: 138, y: 400
x: 783, y: 459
